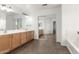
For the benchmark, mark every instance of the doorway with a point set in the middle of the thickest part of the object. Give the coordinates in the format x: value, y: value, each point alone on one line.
x: 54, y: 27
x: 45, y: 26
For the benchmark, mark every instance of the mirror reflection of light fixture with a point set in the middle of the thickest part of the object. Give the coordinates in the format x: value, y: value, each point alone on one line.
x: 3, y: 7
x: 25, y: 14
x: 44, y: 4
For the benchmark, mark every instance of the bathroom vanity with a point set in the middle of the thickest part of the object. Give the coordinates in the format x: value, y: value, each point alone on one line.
x: 13, y: 39
x: 15, y: 30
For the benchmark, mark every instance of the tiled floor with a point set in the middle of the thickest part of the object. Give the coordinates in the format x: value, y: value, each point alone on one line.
x: 45, y: 45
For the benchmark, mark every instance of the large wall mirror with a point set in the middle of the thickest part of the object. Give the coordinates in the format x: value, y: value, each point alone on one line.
x: 16, y: 21
x: 13, y: 21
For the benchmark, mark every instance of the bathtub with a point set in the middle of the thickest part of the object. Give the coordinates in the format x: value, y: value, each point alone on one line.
x: 72, y: 42
x: 72, y: 47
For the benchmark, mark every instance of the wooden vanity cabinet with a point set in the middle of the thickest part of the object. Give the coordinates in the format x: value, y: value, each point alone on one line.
x: 27, y: 36
x: 11, y: 41
x: 30, y: 35
x: 16, y: 40
x: 23, y: 38
x: 5, y: 43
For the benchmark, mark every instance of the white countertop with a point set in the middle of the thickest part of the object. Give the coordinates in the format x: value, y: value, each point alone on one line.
x: 13, y: 31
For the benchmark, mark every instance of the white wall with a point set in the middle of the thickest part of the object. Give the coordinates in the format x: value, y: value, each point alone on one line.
x: 59, y: 24
x: 70, y: 22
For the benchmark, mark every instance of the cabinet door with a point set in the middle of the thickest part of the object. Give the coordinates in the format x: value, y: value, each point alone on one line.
x: 23, y: 37
x: 16, y: 41
x: 5, y: 43
x: 30, y: 35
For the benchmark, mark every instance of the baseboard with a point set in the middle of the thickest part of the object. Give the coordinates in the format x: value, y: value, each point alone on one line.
x: 36, y: 39
x: 59, y: 42
x: 64, y: 43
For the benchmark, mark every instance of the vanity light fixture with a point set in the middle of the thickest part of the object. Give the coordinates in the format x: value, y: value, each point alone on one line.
x: 3, y: 7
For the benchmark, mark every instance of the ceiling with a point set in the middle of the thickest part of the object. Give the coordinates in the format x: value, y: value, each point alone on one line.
x: 29, y: 8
